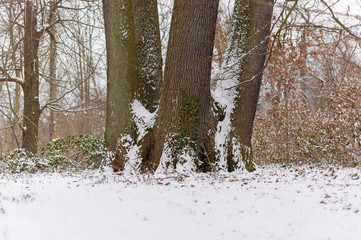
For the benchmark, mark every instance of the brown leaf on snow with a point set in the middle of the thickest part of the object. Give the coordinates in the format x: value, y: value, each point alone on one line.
x: 355, y: 176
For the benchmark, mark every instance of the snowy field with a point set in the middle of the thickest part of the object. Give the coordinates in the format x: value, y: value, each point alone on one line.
x: 272, y: 203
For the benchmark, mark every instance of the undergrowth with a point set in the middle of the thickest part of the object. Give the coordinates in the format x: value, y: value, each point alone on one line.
x: 64, y: 154
x: 308, y: 138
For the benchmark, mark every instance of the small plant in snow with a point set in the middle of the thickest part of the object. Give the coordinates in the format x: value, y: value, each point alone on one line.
x: 70, y: 153
x: 20, y: 160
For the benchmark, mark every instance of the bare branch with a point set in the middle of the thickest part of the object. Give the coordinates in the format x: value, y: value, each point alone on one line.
x: 9, y: 78
x: 339, y: 22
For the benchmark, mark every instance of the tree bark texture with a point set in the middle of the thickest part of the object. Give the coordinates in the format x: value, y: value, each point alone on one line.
x: 31, y: 85
x: 248, y: 47
x: 185, y: 114
x: 147, y: 37
x: 121, y: 74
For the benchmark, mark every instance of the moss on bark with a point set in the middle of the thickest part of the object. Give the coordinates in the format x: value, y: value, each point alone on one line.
x: 187, y: 73
x: 248, y: 47
x: 122, y: 78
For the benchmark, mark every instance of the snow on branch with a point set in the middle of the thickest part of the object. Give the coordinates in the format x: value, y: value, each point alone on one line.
x: 8, y: 78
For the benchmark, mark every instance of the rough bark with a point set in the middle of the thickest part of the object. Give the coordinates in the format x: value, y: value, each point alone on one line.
x: 31, y: 85
x: 147, y: 37
x: 121, y: 74
x: 248, y: 47
x: 185, y: 113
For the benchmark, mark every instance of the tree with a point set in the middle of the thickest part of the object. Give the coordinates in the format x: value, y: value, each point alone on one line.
x: 121, y: 75
x: 52, y: 68
x: 32, y: 38
x: 247, y: 53
x: 134, y: 69
x: 185, y: 118
x: 31, y: 84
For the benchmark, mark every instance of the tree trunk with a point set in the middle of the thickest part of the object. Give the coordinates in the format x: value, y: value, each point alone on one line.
x: 147, y: 37
x: 185, y: 113
x: 90, y: 75
x: 31, y: 85
x: 248, y: 47
x: 121, y: 74
x: 52, y: 70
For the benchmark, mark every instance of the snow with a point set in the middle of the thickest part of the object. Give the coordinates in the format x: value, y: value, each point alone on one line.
x: 272, y: 203
x: 143, y: 118
x: 144, y: 121
x: 185, y: 160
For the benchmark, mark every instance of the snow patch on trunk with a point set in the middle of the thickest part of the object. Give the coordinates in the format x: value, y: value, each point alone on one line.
x: 227, y: 84
x: 130, y: 147
x: 143, y: 118
x: 237, y: 153
x: 130, y: 152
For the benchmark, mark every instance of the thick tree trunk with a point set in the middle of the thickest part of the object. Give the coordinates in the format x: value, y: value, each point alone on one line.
x: 121, y: 73
x: 185, y: 117
x: 31, y: 85
x: 147, y: 37
x: 248, y: 47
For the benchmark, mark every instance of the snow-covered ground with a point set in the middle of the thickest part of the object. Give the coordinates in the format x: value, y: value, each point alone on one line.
x: 272, y: 203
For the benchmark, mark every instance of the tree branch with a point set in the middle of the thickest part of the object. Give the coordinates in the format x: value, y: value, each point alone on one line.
x: 9, y: 78
x: 339, y: 22
x: 14, y: 80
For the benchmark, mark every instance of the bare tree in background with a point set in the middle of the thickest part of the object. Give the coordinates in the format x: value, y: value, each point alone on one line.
x: 41, y: 44
x: 31, y: 81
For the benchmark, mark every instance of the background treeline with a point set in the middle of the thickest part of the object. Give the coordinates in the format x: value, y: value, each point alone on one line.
x: 71, y: 70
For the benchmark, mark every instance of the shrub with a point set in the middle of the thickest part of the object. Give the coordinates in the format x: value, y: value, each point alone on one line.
x: 20, y: 160
x: 66, y: 154
x: 77, y: 153
x: 307, y: 137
